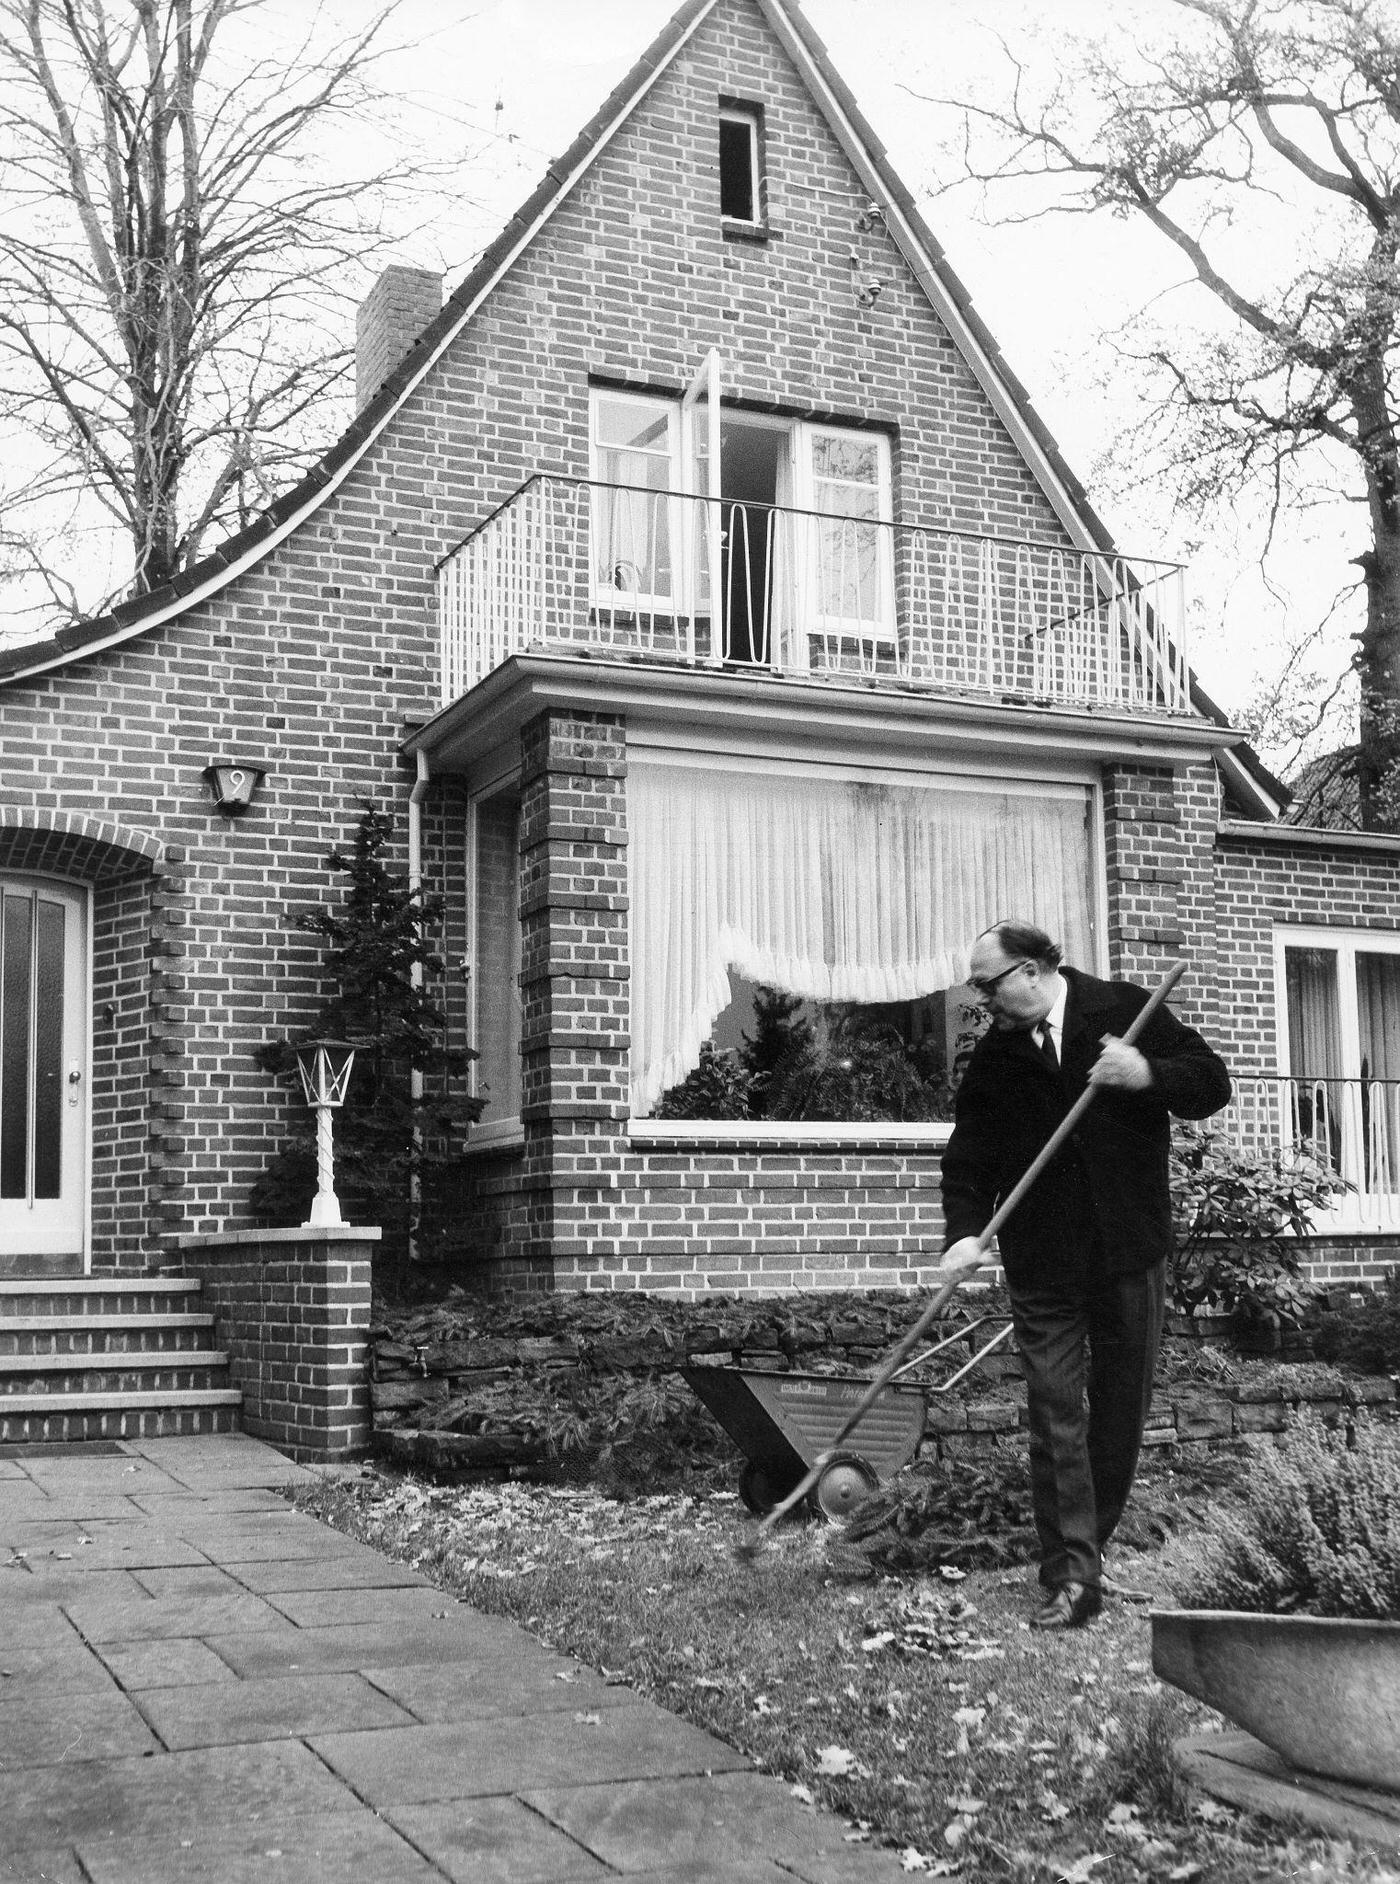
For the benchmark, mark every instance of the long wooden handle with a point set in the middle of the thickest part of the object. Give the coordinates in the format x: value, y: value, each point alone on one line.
x: 1048, y: 1150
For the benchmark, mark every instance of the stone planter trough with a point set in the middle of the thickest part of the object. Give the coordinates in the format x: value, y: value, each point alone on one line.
x: 1321, y: 1691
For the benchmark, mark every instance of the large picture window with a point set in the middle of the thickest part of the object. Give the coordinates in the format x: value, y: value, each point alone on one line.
x: 799, y: 942
x: 1340, y: 1050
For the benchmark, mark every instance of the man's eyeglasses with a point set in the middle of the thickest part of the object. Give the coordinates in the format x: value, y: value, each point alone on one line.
x: 986, y: 984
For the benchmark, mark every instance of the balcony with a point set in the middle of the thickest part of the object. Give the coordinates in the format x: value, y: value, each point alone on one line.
x: 1350, y: 1127
x: 568, y: 565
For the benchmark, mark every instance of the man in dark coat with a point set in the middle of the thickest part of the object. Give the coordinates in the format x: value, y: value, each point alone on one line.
x: 1085, y: 1252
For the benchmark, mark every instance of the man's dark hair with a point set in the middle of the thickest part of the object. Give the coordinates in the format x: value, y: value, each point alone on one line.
x: 1023, y: 938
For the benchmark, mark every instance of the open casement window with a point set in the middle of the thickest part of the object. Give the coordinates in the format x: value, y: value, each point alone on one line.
x: 496, y: 962
x: 741, y: 166
x: 1340, y: 994
x: 800, y: 939
x: 736, y: 537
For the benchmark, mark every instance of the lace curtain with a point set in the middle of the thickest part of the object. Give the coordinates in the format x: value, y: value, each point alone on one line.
x: 831, y: 889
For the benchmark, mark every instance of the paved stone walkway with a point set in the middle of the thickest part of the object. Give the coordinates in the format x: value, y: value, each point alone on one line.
x: 199, y: 1683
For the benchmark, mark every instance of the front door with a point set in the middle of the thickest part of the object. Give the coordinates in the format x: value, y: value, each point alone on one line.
x: 43, y: 1070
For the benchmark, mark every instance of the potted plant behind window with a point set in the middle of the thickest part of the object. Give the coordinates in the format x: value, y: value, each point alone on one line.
x: 1290, y: 1616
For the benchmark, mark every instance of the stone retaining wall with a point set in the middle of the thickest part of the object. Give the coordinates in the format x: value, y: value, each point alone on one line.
x: 422, y: 1394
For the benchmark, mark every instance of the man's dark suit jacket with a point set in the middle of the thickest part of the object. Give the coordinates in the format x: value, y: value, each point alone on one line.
x: 1104, y: 1202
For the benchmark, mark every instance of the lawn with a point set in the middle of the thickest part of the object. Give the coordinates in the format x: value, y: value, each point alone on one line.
x: 918, y: 1706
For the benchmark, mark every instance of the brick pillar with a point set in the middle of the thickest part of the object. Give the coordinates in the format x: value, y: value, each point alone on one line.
x: 292, y: 1308
x: 574, y: 985
x: 1159, y: 827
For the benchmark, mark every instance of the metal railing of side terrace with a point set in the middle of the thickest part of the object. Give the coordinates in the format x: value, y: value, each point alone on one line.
x: 1350, y: 1127
x: 566, y: 563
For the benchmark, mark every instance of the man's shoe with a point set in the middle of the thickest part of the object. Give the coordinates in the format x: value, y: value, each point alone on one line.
x: 1068, y: 1606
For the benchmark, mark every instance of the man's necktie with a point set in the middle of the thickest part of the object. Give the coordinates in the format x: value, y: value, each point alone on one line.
x: 1047, y: 1048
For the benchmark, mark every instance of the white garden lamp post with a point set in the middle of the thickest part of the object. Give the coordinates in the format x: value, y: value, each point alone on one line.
x: 324, y: 1066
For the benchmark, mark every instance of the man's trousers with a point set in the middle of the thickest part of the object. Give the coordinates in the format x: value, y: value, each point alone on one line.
x: 1088, y: 1353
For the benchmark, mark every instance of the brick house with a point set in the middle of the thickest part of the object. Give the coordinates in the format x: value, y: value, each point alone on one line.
x: 701, y: 593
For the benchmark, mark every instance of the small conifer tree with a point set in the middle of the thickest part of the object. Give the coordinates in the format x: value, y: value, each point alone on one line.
x: 393, y: 1149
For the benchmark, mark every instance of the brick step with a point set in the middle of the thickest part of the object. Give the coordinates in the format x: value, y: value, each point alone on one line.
x: 94, y: 1334
x: 121, y: 1374
x: 117, y: 1417
x: 81, y: 1297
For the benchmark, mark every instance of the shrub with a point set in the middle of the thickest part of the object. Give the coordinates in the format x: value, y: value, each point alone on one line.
x: 1236, y: 1217
x: 395, y: 1149
x: 1318, y: 1533
x: 1364, y: 1334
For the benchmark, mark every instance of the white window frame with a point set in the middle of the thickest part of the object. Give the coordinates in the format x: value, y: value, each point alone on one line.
x: 1355, y: 1207
x: 751, y: 117
x: 610, y: 597
x: 676, y: 747
x: 880, y: 630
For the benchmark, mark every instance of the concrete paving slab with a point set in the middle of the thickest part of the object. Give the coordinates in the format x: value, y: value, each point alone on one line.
x: 61, y: 1664
x: 175, y: 1795
x: 667, y: 1823
x: 98, y: 1546
x: 153, y: 1618
x: 538, y: 1684
x: 11, y: 1468
x: 464, y: 1637
x: 90, y: 1508
x: 470, y: 1759
x: 40, y: 1727
x: 321, y: 1609
x: 496, y: 1841
x: 279, y: 1544
x: 42, y: 1867
x: 360, y: 1570
x: 283, y: 1708
x: 351, y: 1847
x: 195, y: 1580
x: 220, y: 1478
x: 1237, y: 1767
x: 51, y: 1585
x: 169, y: 1507
x: 138, y: 1665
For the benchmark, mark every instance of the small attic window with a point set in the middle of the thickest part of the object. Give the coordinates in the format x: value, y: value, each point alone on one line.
x: 740, y: 166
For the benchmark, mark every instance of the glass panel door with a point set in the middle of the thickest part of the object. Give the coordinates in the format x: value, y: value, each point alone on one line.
x: 1378, y: 1024
x: 43, y: 1086
x: 848, y: 592
x: 1317, y: 1093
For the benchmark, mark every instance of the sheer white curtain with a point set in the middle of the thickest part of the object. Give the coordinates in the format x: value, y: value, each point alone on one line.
x: 829, y: 888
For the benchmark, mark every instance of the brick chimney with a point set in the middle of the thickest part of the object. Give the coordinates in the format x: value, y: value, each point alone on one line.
x: 392, y: 315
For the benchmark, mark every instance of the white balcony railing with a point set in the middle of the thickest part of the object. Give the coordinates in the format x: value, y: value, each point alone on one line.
x: 566, y: 563
x: 1350, y: 1127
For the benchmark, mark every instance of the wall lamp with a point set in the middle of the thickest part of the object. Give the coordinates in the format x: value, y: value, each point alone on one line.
x: 232, y: 783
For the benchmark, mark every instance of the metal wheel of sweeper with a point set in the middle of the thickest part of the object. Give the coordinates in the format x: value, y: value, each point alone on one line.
x: 846, y: 1481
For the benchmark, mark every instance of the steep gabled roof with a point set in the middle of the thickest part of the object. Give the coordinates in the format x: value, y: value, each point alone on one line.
x: 921, y: 251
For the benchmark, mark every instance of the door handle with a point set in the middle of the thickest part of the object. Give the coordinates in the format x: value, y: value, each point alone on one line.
x: 75, y: 1079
